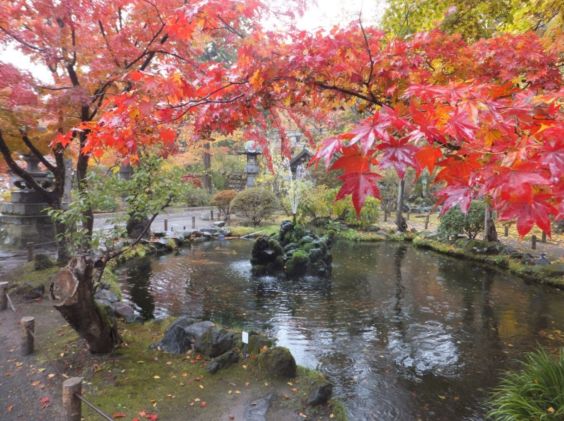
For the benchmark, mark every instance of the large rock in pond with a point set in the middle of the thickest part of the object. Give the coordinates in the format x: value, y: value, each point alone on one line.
x: 277, y: 362
x: 267, y: 255
x: 296, y: 251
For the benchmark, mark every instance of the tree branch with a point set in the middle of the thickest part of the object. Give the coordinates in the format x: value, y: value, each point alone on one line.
x: 36, y: 152
x: 19, y: 171
x: 369, y: 80
x: 109, y: 257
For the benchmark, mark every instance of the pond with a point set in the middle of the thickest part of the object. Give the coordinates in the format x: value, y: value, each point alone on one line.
x: 403, y: 333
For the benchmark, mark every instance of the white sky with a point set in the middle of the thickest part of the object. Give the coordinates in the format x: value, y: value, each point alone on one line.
x: 320, y: 14
x: 327, y: 13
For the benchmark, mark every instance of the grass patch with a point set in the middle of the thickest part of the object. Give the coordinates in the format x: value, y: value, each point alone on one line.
x: 536, y: 392
x: 26, y: 274
x: 364, y: 236
x: 241, y: 231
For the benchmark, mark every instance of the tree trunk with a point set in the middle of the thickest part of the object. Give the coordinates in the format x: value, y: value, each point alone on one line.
x: 207, y: 168
x: 490, y: 233
x: 63, y: 255
x: 73, y: 288
x: 400, y: 220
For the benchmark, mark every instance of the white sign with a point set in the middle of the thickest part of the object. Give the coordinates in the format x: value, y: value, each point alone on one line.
x: 245, y: 337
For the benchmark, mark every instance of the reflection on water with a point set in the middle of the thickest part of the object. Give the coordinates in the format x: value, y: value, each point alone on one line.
x: 403, y: 333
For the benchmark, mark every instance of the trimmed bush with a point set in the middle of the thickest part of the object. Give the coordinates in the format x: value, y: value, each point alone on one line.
x: 255, y: 204
x: 222, y: 200
x: 454, y: 222
x: 536, y: 392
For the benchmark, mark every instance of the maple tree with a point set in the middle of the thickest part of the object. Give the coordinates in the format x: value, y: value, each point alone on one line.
x: 94, y: 53
x: 485, y: 117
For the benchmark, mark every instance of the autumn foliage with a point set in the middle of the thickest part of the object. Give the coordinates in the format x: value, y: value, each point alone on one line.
x: 484, y: 118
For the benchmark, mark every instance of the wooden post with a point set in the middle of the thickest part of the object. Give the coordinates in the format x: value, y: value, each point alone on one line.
x: 3, y: 296
x: 427, y: 221
x: 28, y: 327
x: 543, y: 238
x: 211, y: 214
x: 193, y: 222
x: 534, y: 242
x: 30, y: 247
x: 506, y: 231
x: 166, y: 225
x: 71, y: 404
x: 385, y: 216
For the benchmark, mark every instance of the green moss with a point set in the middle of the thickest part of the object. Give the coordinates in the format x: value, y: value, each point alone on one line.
x: 136, y: 378
x: 310, y: 378
x: 297, y: 263
x: 354, y: 235
x: 28, y: 275
x: 241, y: 231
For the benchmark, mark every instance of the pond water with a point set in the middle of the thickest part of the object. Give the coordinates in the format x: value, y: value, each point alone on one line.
x: 403, y: 333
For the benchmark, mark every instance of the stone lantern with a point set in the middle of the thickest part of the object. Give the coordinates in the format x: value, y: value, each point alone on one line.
x: 252, y: 151
x: 23, y: 219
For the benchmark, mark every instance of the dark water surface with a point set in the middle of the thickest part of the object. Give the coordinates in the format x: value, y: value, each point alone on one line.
x: 403, y: 333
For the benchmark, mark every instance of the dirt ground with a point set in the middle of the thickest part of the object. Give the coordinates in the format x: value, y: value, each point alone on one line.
x: 29, y: 388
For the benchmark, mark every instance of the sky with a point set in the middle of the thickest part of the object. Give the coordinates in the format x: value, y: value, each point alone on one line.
x: 327, y: 13
x: 320, y: 14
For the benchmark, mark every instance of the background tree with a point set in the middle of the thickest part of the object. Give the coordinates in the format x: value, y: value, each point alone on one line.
x: 473, y: 19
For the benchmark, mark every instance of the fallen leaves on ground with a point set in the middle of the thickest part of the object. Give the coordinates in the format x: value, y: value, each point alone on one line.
x: 45, y: 402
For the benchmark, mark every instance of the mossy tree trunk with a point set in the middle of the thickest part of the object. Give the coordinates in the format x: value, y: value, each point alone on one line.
x: 73, y: 288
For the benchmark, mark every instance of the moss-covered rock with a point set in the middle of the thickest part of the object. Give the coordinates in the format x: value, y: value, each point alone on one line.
x: 296, y: 251
x: 214, y: 342
x: 258, y: 342
x: 297, y: 263
x: 222, y: 361
x: 277, y: 362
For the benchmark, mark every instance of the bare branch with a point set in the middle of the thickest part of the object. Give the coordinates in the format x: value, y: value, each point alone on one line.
x: 36, y: 152
x: 19, y: 171
x: 369, y: 80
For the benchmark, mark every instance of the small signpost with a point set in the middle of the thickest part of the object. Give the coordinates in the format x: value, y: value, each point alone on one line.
x: 245, y: 340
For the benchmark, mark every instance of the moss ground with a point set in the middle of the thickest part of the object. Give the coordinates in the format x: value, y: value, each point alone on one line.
x: 241, y: 231
x: 551, y: 274
x: 137, y: 380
